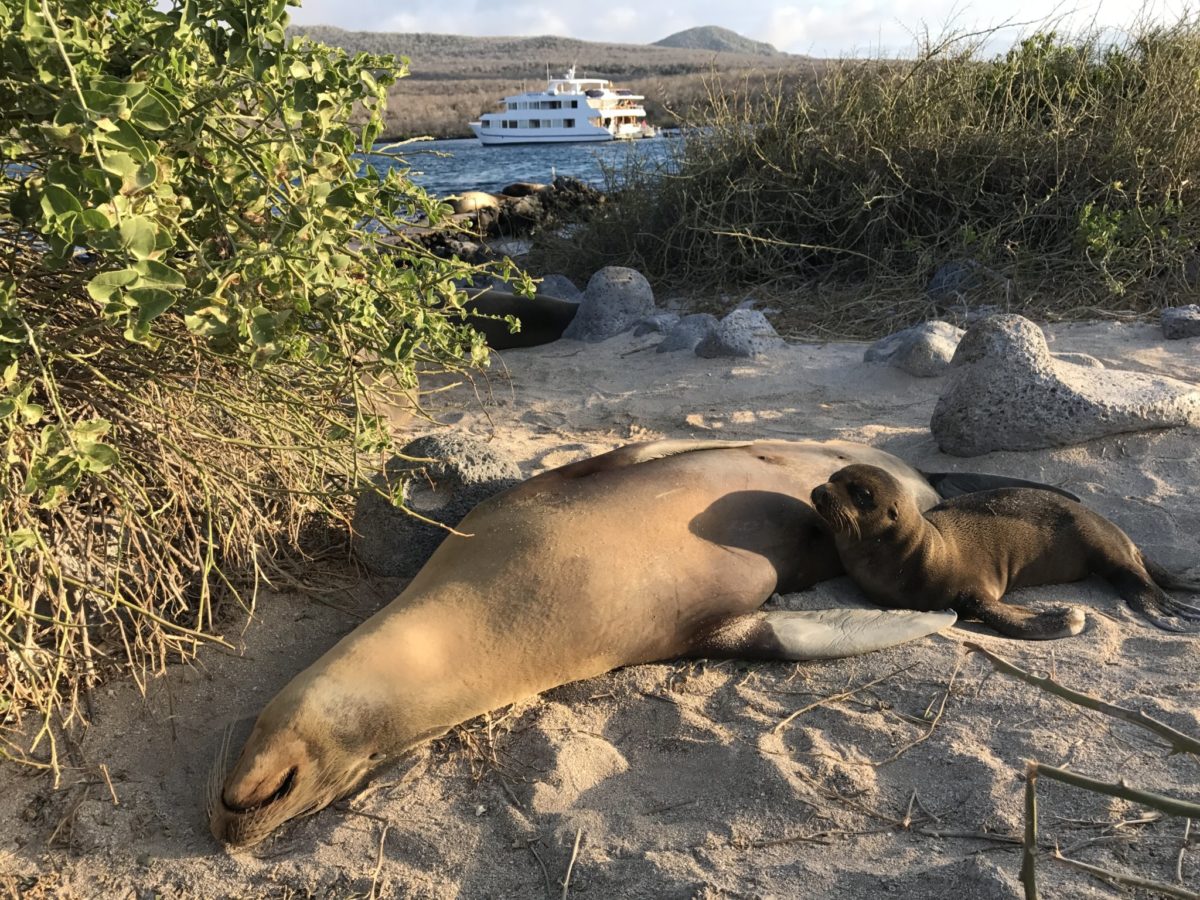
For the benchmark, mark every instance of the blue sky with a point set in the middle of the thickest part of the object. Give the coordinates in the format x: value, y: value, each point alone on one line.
x: 820, y: 28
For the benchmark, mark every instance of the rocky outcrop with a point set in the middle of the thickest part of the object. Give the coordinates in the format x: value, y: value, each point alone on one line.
x: 616, y: 298
x: 924, y: 350
x: 1181, y: 322
x: 687, y: 333
x: 1010, y: 393
x: 743, y: 333
x: 463, y: 473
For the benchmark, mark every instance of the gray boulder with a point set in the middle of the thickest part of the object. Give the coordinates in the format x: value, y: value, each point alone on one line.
x: 560, y: 286
x: 661, y: 322
x: 744, y: 333
x: 466, y: 472
x: 924, y: 350
x: 688, y: 332
x: 1010, y: 393
x: 615, y: 299
x: 1181, y: 322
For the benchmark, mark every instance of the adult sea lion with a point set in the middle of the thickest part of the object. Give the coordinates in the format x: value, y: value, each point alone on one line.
x: 543, y: 318
x: 646, y: 553
x: 965, y: 553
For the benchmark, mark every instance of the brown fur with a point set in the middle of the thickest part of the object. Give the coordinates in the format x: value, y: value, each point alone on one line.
x: 965, y: 554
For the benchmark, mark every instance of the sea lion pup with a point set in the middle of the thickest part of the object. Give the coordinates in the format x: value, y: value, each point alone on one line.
x: 966, y: 553
x: 650, y: 552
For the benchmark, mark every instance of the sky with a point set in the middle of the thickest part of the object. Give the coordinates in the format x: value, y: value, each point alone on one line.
x: 824, y: 28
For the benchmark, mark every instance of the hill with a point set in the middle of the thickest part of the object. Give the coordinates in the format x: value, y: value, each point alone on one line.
x: 716, y: 39
x: 454, y: 78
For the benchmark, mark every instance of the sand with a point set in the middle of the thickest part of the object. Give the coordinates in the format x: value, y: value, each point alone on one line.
x: 906, y: 781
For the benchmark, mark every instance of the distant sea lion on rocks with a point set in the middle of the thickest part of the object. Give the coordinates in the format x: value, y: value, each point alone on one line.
x: 650, y: 552
x: 966, y: 553
x: 473, y: 201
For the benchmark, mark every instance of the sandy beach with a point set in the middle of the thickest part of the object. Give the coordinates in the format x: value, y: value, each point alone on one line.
x: 904, y: 778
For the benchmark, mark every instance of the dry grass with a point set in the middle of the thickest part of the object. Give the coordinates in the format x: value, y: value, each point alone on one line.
x: 1067, y: 169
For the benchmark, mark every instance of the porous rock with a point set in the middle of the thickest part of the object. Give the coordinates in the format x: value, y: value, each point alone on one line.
x: 615, y: 299
x: 1079, y: 359
x: 560, y: 286
x: 464, y: 473
x: 1010, y: 393
x: 744, y: 333
x: 660, y: 322
x: 1181, y: 322
x: 924, y: 350
x: 688, y: 332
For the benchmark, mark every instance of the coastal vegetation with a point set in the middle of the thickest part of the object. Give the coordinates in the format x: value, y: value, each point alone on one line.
x: 195, y: 319
x: 1058, y: 177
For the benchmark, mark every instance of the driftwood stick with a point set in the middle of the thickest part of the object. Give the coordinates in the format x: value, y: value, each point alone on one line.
x: 1161, y: 802
x: 1158, y: 887
x: 1179, y: 742
x: 1029, y: 853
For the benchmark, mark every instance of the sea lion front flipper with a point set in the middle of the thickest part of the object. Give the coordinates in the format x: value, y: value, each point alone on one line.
x: 1021, y: 622
x: 955, y: 484
x: 814, y: 634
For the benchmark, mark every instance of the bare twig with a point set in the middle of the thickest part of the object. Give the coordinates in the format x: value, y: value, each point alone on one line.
x: 833, y: 698
x: 566, y: 883
x: 1159, y: 887
x: 1179, y: 742
x: 1166, y: 804
x: 1029, y: 853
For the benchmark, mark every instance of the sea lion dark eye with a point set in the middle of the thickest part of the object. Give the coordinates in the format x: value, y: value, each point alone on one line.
x: 861, y: 496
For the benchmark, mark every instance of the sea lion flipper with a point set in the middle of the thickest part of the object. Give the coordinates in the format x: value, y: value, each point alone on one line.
x: 1146, y: 598
x: 815, y: 634
x: 1021, y: 622
x: 955, y: 484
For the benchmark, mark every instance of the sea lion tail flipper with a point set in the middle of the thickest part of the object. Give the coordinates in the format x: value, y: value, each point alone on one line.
x: 1148, y: 599
x: 633, y: 454
x: 814, y: 634
x: 955, y: 484
x: 1021, y: 622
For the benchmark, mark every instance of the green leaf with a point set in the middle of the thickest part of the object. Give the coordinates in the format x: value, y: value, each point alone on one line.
x: 151, y: 303
x: 20, y: 539
x: 98, y: 457
x: 154, y: 274
x: 138, y: 235
x: 125, y: 137
x: 119, y: 163
x: 58, y: 201
x: 154, y: 112
x: 106, y: 284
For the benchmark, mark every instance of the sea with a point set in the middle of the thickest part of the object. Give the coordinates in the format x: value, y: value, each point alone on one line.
x: 452, y: 166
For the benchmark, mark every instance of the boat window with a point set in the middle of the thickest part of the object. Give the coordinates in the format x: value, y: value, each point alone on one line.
x: 568, y: 123
x: 534, y: 123
x: 574, y: 104
x: 547, y: 123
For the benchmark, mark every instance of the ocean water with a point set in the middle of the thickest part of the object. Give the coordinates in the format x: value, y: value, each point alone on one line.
x: 447, y: 167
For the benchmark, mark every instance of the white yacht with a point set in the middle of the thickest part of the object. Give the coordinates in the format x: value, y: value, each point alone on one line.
x: 570, y: 109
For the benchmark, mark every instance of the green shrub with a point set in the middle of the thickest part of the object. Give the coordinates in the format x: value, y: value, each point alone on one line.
x: 1068, y: 166
x: 201, y: 292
